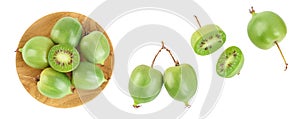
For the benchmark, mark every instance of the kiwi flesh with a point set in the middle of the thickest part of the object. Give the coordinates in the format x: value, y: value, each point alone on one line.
x: 208, y: 39
x: 230, y: 62
x: 63, y: 58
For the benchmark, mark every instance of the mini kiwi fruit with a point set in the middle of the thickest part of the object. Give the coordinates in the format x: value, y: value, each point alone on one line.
x: 207, y: 39
x: 230, y: 62
x: 63, y: 58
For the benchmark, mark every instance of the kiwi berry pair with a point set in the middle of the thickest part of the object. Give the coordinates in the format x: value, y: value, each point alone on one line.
x: 146, y: 82
x: 208, y: 39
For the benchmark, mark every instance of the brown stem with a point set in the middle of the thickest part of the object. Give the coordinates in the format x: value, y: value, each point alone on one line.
x: 37, y: 78
x: 163, y: 47
x: 18, y: 50
x: 187, y: 105
x: 136, y: 106
x: 252, y: 11
x: 197, y: 21
x: 73, y: 89
x: 286, y: 64
x: 175, y: 61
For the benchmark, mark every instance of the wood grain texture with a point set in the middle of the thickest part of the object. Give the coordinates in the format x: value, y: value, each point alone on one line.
x: 29, y: 76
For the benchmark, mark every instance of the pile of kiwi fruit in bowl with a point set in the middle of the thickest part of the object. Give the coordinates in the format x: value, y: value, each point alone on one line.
x: 64, y: 59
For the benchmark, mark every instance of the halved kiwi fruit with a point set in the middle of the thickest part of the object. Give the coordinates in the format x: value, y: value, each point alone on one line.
x: 63, y: 58
x: 230, y: 62
x: 207, y: 39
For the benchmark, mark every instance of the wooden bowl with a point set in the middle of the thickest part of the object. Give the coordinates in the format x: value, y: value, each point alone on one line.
x: 29, y: 76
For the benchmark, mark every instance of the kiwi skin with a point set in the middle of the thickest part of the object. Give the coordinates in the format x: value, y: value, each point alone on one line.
x: 230, y: 62
x: 208, y: 39
x: 63, y: 58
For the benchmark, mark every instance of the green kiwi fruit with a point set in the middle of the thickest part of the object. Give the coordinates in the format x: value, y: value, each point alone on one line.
x: 54, y: 84
x: 87, y: 76
x: 208, y: 39
x: 230, y: 62
x: 63, y: 58
x: 67, y: 30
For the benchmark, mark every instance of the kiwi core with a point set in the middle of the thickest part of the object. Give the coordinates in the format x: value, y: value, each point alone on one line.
x: 63, y: 57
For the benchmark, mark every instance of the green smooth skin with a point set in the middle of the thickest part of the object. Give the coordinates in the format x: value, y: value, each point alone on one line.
x: 87, y: 76
x: 35, y: 52
x: 181, y: 82
x: 54, y: 84
x: 265, y: 28
x: 145, y: 84
x: 236, y: 65
x: 67, y: 30
x: 95, y: 47
x: 204, y: 33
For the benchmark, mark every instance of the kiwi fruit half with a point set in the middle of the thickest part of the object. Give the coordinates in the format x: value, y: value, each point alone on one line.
x: 207, y: 39
x: 230, y: 62
x: 63, y: 58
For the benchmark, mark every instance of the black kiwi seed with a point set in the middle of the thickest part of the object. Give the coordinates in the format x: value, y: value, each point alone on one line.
x: 229, y: 65
x: 222, y: 64
x: 218, y: 36
x: 234, y: 54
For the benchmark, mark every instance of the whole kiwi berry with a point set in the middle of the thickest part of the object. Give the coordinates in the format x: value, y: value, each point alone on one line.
x: 54, y: 84
x: 87, y: 76
x: 181, y: 82
x: 145, y: 84
x: 63, y: 58
x: 95, y: 47
x: 35, y: 51
x: 67, y: 30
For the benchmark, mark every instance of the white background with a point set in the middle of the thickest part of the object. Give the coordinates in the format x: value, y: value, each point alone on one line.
x: 262, y: 90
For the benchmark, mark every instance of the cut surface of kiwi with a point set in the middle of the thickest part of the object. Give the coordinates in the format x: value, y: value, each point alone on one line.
x: 207, y: 39
x: 230, y: 62
x: 63, y: 58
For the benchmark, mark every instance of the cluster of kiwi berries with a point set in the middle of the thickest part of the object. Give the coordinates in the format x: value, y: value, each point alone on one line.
x: 208, y: 39
x: 265, y: 29
x: 58, y: 56
x: 146, y: 82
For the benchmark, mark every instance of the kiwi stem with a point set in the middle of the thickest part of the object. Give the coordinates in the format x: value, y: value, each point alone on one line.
x: 286, y: 64
x: 73, y: 90
x: 252, y: 11
x: 136, y: 105
x: 163, y: 47
x: 37, y: 78
x: 18, y: 50
x: 197, y: 21
x: 175, y: 61
x: 187, y: 105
